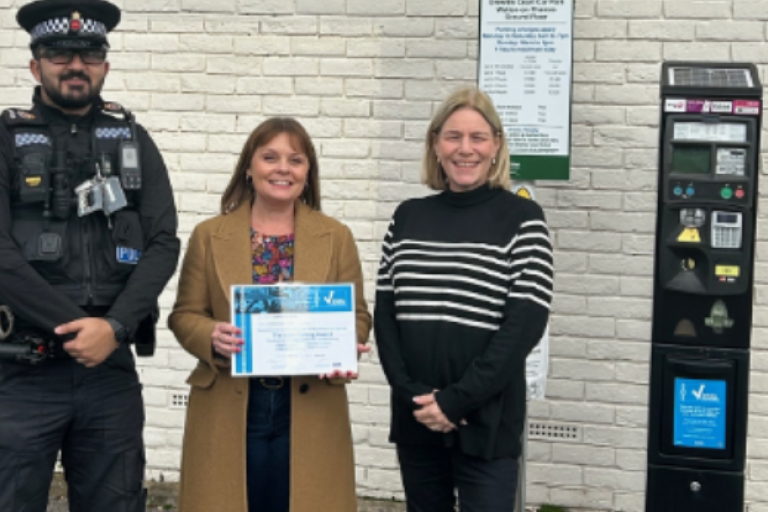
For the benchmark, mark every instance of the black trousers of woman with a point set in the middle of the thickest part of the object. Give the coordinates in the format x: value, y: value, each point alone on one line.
x: 432, y: 474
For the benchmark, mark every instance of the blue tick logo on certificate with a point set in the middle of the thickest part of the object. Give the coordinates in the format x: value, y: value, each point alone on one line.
x: 294, y: 329
x: 330, y: 300
x: 335, y: 298
x: 128, y: 256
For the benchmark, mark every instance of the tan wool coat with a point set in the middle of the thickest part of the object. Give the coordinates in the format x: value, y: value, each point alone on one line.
x: 213, y: 470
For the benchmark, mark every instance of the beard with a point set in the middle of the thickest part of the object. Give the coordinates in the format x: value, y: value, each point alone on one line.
x: 74, y: 98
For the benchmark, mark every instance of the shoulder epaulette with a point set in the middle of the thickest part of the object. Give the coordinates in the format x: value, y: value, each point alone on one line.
x: 114, y: 108
x: 14, y: 116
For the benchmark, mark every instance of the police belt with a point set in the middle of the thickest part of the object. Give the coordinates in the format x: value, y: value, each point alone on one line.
x: 25, y: 348
x: 25, y: 344
x: 21, y: 347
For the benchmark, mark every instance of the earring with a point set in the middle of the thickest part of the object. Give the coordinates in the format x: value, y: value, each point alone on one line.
x: 248, y: 179
x: 493, y: 161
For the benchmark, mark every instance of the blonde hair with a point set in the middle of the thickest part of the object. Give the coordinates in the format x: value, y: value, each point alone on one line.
x: 432, y: 174
x: 240, y: 188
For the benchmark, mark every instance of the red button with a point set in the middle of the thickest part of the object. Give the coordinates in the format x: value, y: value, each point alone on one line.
x: 739, y: 194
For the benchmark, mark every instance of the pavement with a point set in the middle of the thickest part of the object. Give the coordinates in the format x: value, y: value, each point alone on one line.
x: 162, y: 498
x: 60, y: 505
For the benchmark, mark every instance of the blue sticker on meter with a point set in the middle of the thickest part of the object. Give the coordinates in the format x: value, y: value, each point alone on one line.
x: 128, y: 256
x: 700, y: 413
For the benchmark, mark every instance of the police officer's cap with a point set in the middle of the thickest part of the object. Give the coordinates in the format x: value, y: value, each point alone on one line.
x: 68, y: 23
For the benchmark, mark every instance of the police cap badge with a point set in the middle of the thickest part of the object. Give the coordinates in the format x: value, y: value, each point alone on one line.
x: 68, y: 22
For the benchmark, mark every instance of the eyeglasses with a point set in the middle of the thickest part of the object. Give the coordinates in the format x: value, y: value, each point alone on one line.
x: 90, y: 56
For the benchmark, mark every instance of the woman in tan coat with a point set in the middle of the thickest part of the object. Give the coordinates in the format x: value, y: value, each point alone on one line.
x: 275, y: 444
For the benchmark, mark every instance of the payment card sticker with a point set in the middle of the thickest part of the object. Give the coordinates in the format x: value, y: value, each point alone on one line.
x: 700, y: 413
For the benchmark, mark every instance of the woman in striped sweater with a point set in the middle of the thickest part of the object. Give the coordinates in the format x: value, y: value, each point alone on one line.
x: 463, y: 295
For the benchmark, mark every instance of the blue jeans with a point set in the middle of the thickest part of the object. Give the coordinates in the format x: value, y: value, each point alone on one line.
x: 269, y: 445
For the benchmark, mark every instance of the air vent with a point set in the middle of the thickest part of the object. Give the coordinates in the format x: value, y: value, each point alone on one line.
x: 710, y: 77
x: 553, y: 431
x: 179, y: 400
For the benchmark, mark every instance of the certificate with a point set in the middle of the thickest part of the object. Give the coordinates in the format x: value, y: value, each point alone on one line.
x: 294, y: 329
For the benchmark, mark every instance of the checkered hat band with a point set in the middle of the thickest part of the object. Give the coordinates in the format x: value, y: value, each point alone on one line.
x: 113, y: 133
x: 28, y: 139
x: 60, y: 26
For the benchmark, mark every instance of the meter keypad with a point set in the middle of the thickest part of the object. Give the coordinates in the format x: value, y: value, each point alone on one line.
x: 727, y: 238
x: 726, y: 230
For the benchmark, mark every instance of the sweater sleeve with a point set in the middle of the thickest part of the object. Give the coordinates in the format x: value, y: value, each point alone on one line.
x: 387, y: 331
x: 525, y: 316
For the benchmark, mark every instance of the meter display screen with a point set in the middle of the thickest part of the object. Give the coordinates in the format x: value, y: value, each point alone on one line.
x: 714, y: 132
x: 730, y: 218
x: 691, y: 159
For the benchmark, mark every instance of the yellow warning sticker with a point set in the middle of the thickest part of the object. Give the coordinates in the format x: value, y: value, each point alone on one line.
x: 727, y: 271
x: 689, y: 235
x: 523, y: 192
x: 34, y: 181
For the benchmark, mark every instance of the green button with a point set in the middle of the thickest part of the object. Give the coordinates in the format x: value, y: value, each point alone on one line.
x: 726, y: 193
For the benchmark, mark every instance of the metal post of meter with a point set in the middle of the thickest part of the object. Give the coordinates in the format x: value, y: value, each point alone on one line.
x: 520, y: 500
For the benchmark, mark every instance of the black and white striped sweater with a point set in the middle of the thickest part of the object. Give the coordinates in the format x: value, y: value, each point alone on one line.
x: 463, y: 296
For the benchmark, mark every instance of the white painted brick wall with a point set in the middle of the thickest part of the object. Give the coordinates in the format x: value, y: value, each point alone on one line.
x: 364, y: 77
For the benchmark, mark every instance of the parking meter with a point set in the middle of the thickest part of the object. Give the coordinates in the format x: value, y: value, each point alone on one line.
x: 709, y: 153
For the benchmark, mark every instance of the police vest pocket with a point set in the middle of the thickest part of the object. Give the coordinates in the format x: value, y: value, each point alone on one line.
x: 44, y: 246
x: 119, y: 249
x: 128, y: 240
x: 127, y: 230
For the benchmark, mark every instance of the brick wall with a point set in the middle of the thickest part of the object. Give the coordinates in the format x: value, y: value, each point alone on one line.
x: 364, y: 76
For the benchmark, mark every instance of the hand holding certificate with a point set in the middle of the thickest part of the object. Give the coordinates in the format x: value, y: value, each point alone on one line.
x: 294, y: 329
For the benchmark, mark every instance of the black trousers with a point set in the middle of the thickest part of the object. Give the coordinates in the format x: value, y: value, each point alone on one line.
x: 94, y: 416
x: 432, y: 473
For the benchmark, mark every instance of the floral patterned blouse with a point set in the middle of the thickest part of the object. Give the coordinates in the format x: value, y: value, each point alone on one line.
x: 271, y: 258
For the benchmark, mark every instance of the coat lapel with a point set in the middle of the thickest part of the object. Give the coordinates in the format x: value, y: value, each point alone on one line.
x: 232, y: 249
x: 312, y: 260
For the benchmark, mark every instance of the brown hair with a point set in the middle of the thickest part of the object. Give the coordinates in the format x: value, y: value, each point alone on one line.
x: 432, y: 174
x: 240, y: 188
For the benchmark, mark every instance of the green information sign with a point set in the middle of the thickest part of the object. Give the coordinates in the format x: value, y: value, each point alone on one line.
x: 534, y: 167
x: 525, y: 66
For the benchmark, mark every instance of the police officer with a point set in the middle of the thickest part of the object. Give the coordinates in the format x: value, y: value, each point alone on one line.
x: 87, y: 244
